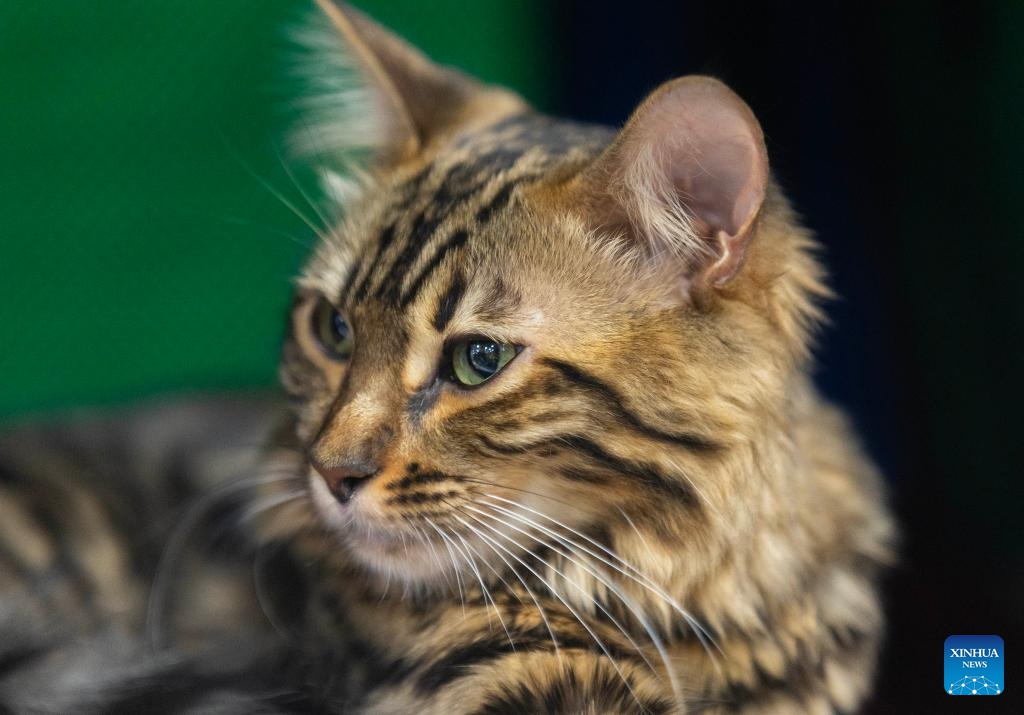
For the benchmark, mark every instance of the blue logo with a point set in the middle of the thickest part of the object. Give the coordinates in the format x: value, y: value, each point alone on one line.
x: 974, y: 665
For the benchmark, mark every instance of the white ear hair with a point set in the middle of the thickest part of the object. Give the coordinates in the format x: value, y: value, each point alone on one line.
x: 684, y: 179
x: 341, y: 115
x: 344, y: 189
x: 654, y: 206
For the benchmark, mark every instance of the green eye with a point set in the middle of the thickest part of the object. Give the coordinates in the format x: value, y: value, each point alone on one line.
x: 475, y: 361
x: 331, y: 331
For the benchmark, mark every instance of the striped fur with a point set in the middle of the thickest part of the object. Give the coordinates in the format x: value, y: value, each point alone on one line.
x: 650, y: 509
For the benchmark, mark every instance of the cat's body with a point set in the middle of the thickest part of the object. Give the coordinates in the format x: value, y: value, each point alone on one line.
x: 552, y: 446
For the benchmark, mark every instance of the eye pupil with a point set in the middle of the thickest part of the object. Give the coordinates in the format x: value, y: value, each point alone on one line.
x: 476, y: 361
x: 484, y: 357
x: 339, y: 326
x: 331, y: 330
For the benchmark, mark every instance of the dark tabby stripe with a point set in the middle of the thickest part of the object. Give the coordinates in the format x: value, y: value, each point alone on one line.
x: 454, y: 242
x: 449, y: 302
x: 19, y: 656
x: 458, y: 238
x: 461, y: 183
x: 423, y: 227
x: 383, y: 243
x: 646, y: 474
x: 569, y: 694
x: 594, y: 386
x: 408, y: 192
x: 415, y: 477
x: 422, y: 497
x: 459, y: 661
x: 582, y: 475
x: 500, y: 198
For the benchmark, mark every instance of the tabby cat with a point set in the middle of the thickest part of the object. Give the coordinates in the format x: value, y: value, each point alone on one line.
x: 550, y: 445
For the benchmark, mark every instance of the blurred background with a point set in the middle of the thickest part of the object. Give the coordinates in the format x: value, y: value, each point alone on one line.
x: 146, y: 243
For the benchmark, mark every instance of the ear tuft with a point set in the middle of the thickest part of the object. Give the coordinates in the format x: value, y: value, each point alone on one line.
x: 686, y: 176
x: 342, y: 117
x: 370, y: 92
x: 344, y: 188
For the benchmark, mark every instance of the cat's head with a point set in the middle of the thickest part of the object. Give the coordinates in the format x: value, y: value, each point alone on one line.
x: 522, y: 325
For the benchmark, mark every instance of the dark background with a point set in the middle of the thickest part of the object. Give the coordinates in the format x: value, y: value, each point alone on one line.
x: 142, y: 254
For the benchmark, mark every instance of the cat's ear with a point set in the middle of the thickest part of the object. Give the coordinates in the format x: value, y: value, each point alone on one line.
x: 374, y: 91
x: 686, y: 176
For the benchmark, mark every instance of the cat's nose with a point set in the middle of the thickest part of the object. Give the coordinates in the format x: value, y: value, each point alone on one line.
x: 344, y: 480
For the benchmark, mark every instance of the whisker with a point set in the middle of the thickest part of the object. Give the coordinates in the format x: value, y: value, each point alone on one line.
x: 273, y: 191
x: 486, y: 591
x: 472, y: 567
x: 554, y: 592
x: 637, y: 575
x: 628, y: 602
x: 455, y: 566
x: 258, y: 572
x: 497, y: 574
x: 239, y: 221
x: 487, y: 483
x: 176, y: 543
x: 271, y: 503
x: 635, y: 529
x: 308, y: 199
x: 437, y: 558
x: 540, y: 609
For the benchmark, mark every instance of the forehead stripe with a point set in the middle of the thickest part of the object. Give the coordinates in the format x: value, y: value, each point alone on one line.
x: 382, y: 243
x: 449, y: 302
x: 500, y: 198
x: 408, y: 191
x: 460, y: 184
x: 422, y: 231
x: 483, y: 215
x: 455, y: 241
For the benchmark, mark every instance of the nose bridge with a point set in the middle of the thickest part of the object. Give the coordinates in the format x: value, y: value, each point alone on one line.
x: 361, y: 423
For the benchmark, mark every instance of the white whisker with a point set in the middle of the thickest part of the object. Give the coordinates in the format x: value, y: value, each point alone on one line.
x: 261, y: 593
x: 540, y: 609
x: 306, y: 197
x: 639, y: 576
x: 626, y: 600
x: 640, y: 536
x: 266, y: 505
x: 554, y: 592
x: 273, y: 191
x: 483, y: 586
x: 455, y: 567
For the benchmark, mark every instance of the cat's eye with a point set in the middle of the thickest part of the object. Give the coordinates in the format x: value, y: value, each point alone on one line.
x: 332, y: 332
x: 478, y: 360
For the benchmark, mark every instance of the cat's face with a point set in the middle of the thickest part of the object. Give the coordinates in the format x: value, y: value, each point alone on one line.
x: 520, y: 321
x: 469, y: 344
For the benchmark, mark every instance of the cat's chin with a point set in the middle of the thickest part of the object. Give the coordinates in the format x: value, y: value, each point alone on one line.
x: 412, y: 565
x: 404, y: 560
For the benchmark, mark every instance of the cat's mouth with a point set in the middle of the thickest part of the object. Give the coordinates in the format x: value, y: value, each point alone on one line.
x: 382, y: 539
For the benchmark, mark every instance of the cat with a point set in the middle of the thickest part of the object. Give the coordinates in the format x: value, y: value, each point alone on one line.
x: 551, y: 443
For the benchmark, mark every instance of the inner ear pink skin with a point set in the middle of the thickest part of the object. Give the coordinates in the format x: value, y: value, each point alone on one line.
x: 688, y: 174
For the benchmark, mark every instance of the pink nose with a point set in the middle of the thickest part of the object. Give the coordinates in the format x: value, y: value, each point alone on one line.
x: 344, y: 481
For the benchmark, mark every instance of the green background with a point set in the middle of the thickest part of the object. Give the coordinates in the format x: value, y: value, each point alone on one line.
x: 141, y: 250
